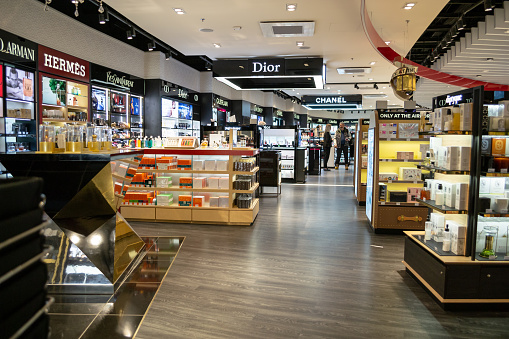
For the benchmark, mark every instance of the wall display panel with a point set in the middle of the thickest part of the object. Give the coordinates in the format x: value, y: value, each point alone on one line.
x: 19, y: 84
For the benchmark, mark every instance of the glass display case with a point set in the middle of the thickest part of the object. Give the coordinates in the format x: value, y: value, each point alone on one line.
x: 177, y: 119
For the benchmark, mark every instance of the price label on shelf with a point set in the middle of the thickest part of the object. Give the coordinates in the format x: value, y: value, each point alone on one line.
x: 405, y: 160
x: 493, y: 257
x: 489, y: 211
x: 398, y: 204
x: 503, y: 211
x: 389, y: 181
x: 415, y: 181
x: 506, y: 257
x: 503, y: 170
x: 491, y: 170
x: 417, y: 204
x: 407, y: 139
x: 382, y: 203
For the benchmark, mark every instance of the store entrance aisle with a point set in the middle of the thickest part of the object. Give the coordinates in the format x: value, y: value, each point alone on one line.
x: 309, y: 267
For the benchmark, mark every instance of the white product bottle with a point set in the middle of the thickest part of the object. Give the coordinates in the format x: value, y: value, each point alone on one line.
x: 439, y: 196
x: 446, y: 245
x: 428, y: 225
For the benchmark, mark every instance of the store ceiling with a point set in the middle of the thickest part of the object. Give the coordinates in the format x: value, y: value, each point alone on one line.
x: 339, y: 36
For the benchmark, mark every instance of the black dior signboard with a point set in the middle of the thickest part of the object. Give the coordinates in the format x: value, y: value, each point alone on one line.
x: 266, y: 66
x: 123, y: 81
x: 17, y: 50
x: 178, y: 92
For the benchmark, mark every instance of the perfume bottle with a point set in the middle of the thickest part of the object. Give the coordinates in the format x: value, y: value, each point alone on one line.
x: 425, y: 192
x: 446, y: 245
x: 490, y: 236
x: 439, y: 196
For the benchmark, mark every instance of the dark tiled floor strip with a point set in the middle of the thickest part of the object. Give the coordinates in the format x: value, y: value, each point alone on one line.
x: 118, y: 315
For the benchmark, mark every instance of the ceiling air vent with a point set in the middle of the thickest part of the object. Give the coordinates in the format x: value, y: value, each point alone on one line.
x: 353, y: 70
x: 282, y: 29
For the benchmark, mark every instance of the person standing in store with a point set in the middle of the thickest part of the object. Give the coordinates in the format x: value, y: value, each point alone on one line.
x: 327, y: 144
x: 343, y: 138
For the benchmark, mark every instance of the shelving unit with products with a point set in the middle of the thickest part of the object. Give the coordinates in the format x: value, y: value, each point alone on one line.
x: 18, y: 128
x: 361, y: 160
x: 461, y: 257
x: 396, y: 148
x: 177, y: 119
x: 195, y: 186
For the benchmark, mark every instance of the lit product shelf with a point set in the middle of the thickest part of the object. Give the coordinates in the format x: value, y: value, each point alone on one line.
x: 443, y: 170
x: 178, y: 189
x: 402, y: 181
x: 403, y: 139
x: 63, y: 121
x: 446, y: 133
x: 180, y: 171
x: 442, y: 209
x: 401, y: 160
x: 494, y: 174
x: 389, y: 203
x: 251, y: 190
x: 116, y: 176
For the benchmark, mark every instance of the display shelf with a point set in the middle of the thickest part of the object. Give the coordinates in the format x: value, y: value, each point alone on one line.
x: 77, y: 107
x: 494, y: 174
x: 494, y: 215
x: 130, y: 162
x: 401, y: 160
x: 388, y: 203
x: 402, y: 139
x: 253, y: 171
x: 251, y: 190
x: 116, y: 176
x: 18, y: 135
x: 443, y: 170
x: 178, y: 189
x: 182, y: 171
x: 77, y: 95
x: 402, y: 181
x: 498, y: 133
x: 446, y: 133
x: 19, y: 100
x: 176, y: 205
x: 65, y: 121
x: 253, y: 205
x: 442, y: 208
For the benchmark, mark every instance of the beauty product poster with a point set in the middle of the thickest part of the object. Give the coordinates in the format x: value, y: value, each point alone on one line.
x: 98, y: 99
x: 135, y: 106
x: 19, y: 84
x: 53, y: 91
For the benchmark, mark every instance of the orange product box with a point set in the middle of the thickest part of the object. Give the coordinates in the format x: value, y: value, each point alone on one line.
x: 118, y: 188
x: 498, y: 146
x: 184, y: 164
x: 206, y: 196
x: 198, y: 201
x: 185, y: 200
x: 130, y: 172
x: 186, y: 182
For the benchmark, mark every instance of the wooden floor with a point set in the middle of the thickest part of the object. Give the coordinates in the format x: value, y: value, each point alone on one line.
x: 306, y: 268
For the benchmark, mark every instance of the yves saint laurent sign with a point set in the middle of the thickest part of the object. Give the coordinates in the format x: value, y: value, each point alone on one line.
x: 17, y: 50
x: 55, y: 62
x: 113, y: 78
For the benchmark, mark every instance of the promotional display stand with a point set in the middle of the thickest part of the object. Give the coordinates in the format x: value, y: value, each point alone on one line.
x: 361, y: 161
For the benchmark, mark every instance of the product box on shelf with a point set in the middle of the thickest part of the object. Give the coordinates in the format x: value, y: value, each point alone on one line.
x: 387, y: 176
x: 466, y: 116
x: 413, y: 193
x: 503, y: 108
x: 214, y: 201
x: 498, y: 146
x: 364, y: 161
x: 184, y: 164
x: 125, y: 188
x: 164, y: 182
x: 213, y: 182
x: 497, y: 185
x: 458, y: 237
x: 461, y: 199
x: 139, y: 198
x: 222, y: 165
x: 405, y: 155
x: 486, y: 146
x: 223, y: 202
x: 449, y: 194
x: 130, y: 172
x: 452, y: 154
x: 388, y: 130
x: 484, y: 185
x: 122, y: 170
x: 198, y: 201
x: 198, y: 165
x: 118, y: 187
x: 165, y: 199
x: 408, y: 130
x: 423, y: 148
x: 224, y: 183
x: 147, y: 163
x: 199, y: 182
x: 167, y: 163
x: 409, y: 173
x: 464, y: 158
x: 498, y: 124
x: 186, y: 182
x: 185, y: 200
x: 397, y: 196
x: 210, y: 165
x: 382, y: 192
x: 438, y: 227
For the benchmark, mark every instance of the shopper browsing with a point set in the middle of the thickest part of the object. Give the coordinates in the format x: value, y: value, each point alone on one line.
x: 343, y: 138
x: 327, y: 144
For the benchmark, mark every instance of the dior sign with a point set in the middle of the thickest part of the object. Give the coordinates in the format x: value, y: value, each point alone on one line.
x: 121, y: 81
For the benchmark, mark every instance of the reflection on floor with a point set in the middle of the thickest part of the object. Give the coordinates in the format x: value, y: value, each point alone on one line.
x: 118, y: 315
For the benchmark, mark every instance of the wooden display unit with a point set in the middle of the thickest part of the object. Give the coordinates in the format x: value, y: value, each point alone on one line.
x: 231, y: 214
x: 361, y: 141
x: 391, y: 215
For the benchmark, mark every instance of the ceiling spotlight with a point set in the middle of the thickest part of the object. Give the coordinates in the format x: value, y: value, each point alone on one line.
x: 409, y: 5
x: 300, y: 43
x: 167, y: 55
x: 179, y: 11
x: 488, y: 5
x: 291, y: 7
x: 131, y: 33
x: 208, y: 66
x: 370, y: 79
x: 375, y: 86
x: 104, y: 17
x: 306, y: 65
x: 356, y: 86
x: 152, y: 45
x: 461, y: 24
x: 372, y: 63
x: 216, y: 45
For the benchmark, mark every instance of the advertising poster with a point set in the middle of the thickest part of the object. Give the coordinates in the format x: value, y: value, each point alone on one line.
x: 118, y: 102
x: 19, y: 84
x: 369, y: 182
x: 135, y: 106
x: 185, y: 111
x: 53, y: 91
x: 1, y: 81
x: 98, y: 100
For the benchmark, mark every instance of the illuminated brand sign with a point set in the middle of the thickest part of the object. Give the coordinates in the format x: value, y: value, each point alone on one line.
x: 14, y: 49
x: 279, y: 113
x: 258, y: 109
x: 296, y: 116
x: 266, y: 66
x: 55, y: 62
x: 221, y: 102
x: 453, y: 100
x: 330, y: 100
x: 121, y: 81
x: 382, y: 115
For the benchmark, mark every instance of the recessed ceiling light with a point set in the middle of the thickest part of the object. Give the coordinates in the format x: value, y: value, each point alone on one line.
x: 216, y: 45
x: 179, y: 11
x: 291, y: 7
x: 384, y: 87
x: 206, y: 30
x: 408, y: 7
x: 298, y: 93
x: 304, y: 47
x: 306, y: 65
x: 382, y: 92
x: 387, y: 42
x: 372, y: 63
x: 237, y: 28
x: 241, y: 66
x: 300, y: 43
